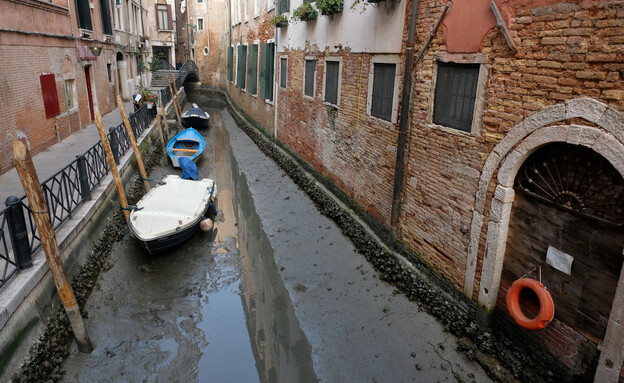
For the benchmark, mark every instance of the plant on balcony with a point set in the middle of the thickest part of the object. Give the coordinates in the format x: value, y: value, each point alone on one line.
x: 329, y: 7
x: 279, y: 20
x: 305, y: 12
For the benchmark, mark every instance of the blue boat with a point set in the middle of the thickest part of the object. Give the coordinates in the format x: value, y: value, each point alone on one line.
x: 188, y: 143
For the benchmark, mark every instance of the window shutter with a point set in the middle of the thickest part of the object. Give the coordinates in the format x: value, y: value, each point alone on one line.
x: 241, y: 67
x: 169, y: 19
x: 252, y: 74
x: 50, y: 96
x: 383, y: 91
x: 266, y: 71
x: 157, y: 18
x: 284, y: 6
x: 230, y: 75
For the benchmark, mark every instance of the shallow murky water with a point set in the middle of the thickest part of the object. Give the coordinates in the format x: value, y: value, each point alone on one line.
x: 215, y: 310
x: 276, y: 293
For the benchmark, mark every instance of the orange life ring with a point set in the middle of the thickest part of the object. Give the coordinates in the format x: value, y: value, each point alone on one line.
x: 547, y: 306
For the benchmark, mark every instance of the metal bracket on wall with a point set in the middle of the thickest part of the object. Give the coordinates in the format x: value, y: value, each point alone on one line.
x: 500, y: 23
x: 432, y: 33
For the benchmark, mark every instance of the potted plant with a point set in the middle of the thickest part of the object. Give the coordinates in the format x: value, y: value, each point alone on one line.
x: 305, y: 12
x: 279, y: 20
x: 329, y: 7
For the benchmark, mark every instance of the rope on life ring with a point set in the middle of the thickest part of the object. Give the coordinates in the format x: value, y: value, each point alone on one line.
x: 547, y: 306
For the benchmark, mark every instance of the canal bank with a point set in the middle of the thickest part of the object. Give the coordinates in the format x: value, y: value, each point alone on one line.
x: 506, y: 357
x: 276, y: 294
x: 389, y: 266
x: 29, y: 302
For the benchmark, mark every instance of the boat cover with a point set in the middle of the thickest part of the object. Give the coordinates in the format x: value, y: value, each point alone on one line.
x: 171, y: 206
x: 189, y: 169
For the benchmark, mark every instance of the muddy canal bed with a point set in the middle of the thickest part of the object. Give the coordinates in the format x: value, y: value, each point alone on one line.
x: 276, y: 293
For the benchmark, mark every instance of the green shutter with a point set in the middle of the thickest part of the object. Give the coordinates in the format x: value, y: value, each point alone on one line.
x: 230, y: 74
x: 266, y: 71
x: 252, y: 73
x: 241, y: 66
x: 284, y: 6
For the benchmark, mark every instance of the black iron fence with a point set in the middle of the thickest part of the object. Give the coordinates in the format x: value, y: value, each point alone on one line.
x: 64, y: 192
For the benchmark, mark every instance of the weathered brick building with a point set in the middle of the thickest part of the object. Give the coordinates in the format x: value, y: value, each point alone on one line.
x: 62, y: 61
x: 498, y: 155
x: 249, y: 60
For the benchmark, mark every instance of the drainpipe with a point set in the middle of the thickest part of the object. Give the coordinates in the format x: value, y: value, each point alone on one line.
x: 403, y: 121
x: 275, y: 87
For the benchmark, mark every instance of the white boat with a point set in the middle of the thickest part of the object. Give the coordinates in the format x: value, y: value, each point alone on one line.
x: 171, y: 212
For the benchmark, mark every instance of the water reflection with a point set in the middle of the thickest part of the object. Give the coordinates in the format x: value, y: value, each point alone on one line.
x: 281, y: 350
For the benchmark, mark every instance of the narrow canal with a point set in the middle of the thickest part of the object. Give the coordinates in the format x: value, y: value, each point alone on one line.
x: 275, y: 293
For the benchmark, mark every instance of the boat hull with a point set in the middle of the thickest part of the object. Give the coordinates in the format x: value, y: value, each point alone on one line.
x: 168, y: 242
x: 170, y: 212
x: 195, y: 118
x: 195, y: 123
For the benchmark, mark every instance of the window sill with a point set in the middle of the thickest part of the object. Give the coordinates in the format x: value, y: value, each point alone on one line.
x: 335, y: 106
x: 456, y: 132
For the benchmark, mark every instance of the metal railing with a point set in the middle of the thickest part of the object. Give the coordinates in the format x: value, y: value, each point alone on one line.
x: 64, y: 192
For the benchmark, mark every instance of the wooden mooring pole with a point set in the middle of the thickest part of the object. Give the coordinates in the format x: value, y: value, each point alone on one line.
x: 135, y: 148
x: 175, y: 88
x: 174, y: 97
x: 162, y: 138
x: 32, y: 187
x: 164, y: 117
x: 111, y: 163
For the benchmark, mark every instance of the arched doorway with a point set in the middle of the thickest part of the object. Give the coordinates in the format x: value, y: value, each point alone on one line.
x: 495, y: 197
x: 566, y: 228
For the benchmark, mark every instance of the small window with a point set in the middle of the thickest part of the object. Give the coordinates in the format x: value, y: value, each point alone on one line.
x: 163, y: 17
x: 383, y: 90
x: 200, y: 1
x: 206, y: 51
x: 455, y: 95
x: 70, y: 93
x: 283, y: 72
x: 310, y: 74
x: 332, y: 76
x: 283, y: 6
x: 200, y: 24
x: 109, y: 70
x: 83, y: 11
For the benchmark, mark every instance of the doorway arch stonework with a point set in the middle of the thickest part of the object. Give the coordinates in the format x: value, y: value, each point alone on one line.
x: 606, y: 138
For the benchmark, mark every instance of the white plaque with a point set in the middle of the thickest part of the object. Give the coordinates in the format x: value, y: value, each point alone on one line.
x: 559, y: 260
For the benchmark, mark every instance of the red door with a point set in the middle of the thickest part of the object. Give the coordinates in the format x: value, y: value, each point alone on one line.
x: 88, y: 78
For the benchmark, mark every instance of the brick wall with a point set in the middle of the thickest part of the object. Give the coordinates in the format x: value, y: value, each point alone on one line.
x: 565, y: 51
x: 356, y: 151
x: 22, y: 109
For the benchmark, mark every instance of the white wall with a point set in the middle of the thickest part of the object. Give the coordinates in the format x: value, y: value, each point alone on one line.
x: 376, y: 30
